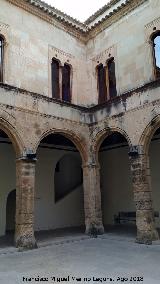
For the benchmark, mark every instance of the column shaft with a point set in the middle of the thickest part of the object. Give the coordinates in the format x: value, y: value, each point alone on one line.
x: 146, y: 231
x: 92, y: 199
x: 25, y: 181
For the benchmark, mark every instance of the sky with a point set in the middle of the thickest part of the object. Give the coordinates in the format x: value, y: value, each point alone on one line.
x: 81, y: 10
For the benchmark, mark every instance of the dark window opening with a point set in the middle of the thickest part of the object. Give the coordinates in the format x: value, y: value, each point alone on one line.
x: 11, y: 211
x: 57, y: 168
x: 1, y: 58
x: 69, y: 178
x: 58, y: 140
x: 114, y: 140
x: 66, y: 87
x: 156, y: 45
x: 106, y: 81
x: 112, y: 78
x: 102, y: 84
x: 55, y: 79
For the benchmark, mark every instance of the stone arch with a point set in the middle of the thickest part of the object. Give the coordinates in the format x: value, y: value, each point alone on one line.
x: 148, y: 133
x: 13, y: 136
x: 71, y: 198
x: 104, y: 133
x: 115, y: 181
x: 151, y: 171
x: 68, y: 134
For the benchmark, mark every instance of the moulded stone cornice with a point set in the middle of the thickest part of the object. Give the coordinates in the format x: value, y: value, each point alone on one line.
x: 113, y: 17
x: 122, y: 97
x: 101, y: 11
x: 72, y: 26
x: 52, y: 17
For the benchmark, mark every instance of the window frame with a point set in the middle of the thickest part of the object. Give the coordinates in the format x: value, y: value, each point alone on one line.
x: 60, y: 80
x: 107, y: 96
x: 152, y: 38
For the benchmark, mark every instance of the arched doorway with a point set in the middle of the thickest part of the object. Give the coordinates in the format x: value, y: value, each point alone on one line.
x: 59, y: 189
x: 118, y: 208
x: 154, y: 150
x: 8, y: 182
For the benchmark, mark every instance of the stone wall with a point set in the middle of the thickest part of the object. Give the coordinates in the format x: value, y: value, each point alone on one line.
x: 32, y: 50
x: 28, y: 113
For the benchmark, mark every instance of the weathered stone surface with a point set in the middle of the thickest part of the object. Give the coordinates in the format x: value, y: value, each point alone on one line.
x: 28, y: 113
x: 92, y: 199
x: 24, y: 235
x: 146, y: 231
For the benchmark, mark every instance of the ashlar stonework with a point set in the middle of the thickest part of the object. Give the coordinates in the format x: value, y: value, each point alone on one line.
x: 28, y: 113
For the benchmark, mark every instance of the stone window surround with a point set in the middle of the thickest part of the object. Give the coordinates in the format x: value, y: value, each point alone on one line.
x: 103, y: 58
x: 108, y: 97
x: 151, y: 29
x: 152, y: 37
x: 4, y: 34
x: 62, y: 58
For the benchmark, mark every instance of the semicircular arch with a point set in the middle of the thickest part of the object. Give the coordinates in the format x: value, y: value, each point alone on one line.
x: 77, y: 141
x: 103, y: 134
x: 13, y: 135
x: 148, y: 133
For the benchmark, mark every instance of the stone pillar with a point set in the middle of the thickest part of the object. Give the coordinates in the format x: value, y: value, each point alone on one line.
x: 25, y: 180
x: 92, y: 199
x: 141, y: 180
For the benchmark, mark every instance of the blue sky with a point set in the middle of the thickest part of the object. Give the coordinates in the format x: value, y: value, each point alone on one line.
x: 80, y: 10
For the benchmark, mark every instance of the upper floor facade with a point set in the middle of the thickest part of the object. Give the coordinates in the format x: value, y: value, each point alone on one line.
x: 48, y: 53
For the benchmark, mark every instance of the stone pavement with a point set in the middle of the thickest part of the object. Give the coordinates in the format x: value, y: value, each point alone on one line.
x: 107, y: 259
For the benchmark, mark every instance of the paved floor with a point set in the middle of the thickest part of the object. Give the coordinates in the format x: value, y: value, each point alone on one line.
x: 110, y: 258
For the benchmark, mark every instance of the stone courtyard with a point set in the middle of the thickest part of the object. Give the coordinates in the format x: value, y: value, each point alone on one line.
x: 79, y: 142
x: 81, y: 259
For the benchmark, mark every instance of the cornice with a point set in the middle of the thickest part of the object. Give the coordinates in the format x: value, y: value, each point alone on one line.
x: 51, y: 16
x: 72, y: 26
x: 114, y: 16
x: 122, y: 97
x: 101, y: 11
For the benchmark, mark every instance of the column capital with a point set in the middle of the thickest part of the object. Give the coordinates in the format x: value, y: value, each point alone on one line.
x: 135, y: 151
x: 29, y: 156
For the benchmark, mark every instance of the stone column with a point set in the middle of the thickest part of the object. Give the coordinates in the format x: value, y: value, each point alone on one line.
x: 92, y: 199
x: 25, y: 180
x: 141, y: 180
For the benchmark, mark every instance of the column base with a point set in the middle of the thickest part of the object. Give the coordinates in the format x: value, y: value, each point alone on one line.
x: 94, y: 230
x: 144, y: 237
x: 25, y: 243
x: 24, y: 238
